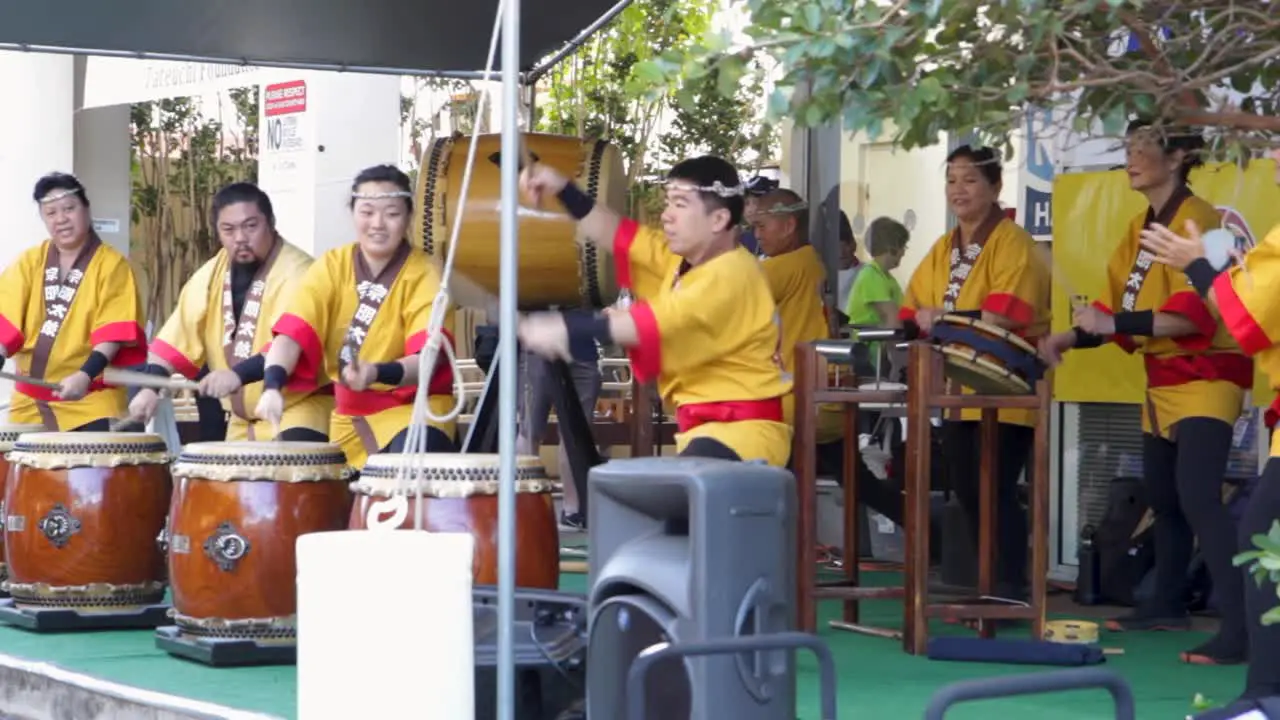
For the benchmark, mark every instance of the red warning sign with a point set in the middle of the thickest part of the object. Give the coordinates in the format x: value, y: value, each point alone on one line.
x: 285, y: 98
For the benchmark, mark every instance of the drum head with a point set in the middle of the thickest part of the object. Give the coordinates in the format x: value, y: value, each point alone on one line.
x: 992, y: 330
x: 446, y: 475
x: 971, y: 370
x: 266, y: 461
x: 9, y: 434
x: 56, y: 450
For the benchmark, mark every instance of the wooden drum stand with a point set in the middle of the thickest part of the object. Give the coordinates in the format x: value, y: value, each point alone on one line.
x: 927, y: 394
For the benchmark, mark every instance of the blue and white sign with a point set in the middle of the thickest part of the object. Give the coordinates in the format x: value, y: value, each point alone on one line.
x: 1037, y: 176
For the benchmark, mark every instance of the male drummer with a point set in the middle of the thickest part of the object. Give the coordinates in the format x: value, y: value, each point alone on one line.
x: 224, y: 318
x: 703, y: 322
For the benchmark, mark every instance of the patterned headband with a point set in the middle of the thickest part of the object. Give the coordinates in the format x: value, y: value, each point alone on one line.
x: 717, y: 187
x: 56, y: 196
x: 382, y: 195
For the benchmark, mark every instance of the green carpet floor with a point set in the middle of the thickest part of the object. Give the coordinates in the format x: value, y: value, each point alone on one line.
x: 877, y: 680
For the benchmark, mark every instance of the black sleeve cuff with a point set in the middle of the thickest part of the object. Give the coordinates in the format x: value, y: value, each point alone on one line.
x: 585, y: 330
x: 390, y: 373
x: 575, y: 201
x: 1087, y: 340
x: 274, y: 378
x: 1201, y: 274
x: 157, y: 370
x: 251, y: 370
x: 1136, y: 324
x: 95, y: 364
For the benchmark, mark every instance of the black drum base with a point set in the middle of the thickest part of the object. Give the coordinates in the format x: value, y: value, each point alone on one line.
x: 74, y: 620
x: 225, y: 652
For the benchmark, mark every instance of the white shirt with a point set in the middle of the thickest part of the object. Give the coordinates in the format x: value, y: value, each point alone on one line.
x: 845, y: 281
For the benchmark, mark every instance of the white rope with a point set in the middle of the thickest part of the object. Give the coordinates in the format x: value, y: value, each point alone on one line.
x: 415, y: 447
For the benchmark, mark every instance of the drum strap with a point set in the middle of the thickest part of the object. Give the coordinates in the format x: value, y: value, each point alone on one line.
x: 1028, y: 366
x: 238, y: 333
x: 58, y: 296
x: 1142, y: 262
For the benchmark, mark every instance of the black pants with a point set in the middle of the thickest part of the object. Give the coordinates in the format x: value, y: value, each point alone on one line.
x: 302, y: 434
x: 437, y: 442
x: 1183, y: 480
x: 99, y: 425
x: 883, y: 496
x: 1264, y: 640
x: 961, y: 446
x: 708, y: 448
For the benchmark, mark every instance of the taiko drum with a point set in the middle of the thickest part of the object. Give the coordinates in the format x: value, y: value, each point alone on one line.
x: 459, y: 494
x: 82, y: 512
x: 238, y: 511
x: 8, y: 436
x: 557, y: 266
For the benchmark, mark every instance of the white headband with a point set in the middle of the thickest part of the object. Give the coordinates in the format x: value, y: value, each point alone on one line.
x: 56, y: 196
x: 717, y: 187
x: 382, y: 195
x: 781, y: 209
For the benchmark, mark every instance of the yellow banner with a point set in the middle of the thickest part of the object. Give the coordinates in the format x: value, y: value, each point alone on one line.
x: 1091, y: 214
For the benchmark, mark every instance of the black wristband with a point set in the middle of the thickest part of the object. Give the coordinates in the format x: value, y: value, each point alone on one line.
x: 251, y: 370
x: 157, y: 370
x: 274, y: 377
x: 95, y: 364
x: 1201, y: 274
x: 390, y: 373
x: 575, y: 201
x: 1087, y: 340
x: 1136, y: 324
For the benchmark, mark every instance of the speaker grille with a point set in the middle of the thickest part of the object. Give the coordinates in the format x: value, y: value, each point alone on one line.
x: 623, y: 627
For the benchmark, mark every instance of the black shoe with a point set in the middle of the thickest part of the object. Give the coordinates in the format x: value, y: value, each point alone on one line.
x: 1139, y: 622
x: 573, y: 522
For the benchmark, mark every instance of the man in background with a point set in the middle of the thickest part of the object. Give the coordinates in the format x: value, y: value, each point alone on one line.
x: 849, y: 264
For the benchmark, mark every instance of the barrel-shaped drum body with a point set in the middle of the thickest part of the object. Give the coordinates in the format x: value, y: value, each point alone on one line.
x: 8, y: 436
x: 459, y: 494
x: 82, y: 513
x: 557, y: 266
x: 238, y: 510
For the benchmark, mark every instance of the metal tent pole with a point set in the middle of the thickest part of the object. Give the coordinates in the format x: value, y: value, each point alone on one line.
x: 508, y: 265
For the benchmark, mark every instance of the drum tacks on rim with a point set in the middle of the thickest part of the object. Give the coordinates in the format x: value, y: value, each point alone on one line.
x: 987, y: 359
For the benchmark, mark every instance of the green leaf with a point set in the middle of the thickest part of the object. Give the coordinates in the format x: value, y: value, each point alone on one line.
x: 930, y: 89
x: 1271, y: 617
x: 812, y: 17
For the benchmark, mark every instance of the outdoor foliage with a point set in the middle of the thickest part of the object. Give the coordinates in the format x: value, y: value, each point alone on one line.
x: 181, y: 157
x: 917, y: 68
x: 1264, y: 565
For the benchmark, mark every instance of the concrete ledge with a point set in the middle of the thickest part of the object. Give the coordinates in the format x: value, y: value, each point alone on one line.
x: 41, y: 691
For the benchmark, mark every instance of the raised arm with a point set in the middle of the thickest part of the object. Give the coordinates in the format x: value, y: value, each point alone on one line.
x: 599, y: 224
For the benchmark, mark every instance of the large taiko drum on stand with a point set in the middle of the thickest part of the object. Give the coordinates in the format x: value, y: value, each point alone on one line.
x: 8, y: 436
x: 557, y: 267
x: 984, y: 358
x: 460, y: 494
x: 82, y: 514
x: 238, y: 511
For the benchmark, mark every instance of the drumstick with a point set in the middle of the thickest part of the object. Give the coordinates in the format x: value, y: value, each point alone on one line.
x: 131, y: 378
x: 28, y: 380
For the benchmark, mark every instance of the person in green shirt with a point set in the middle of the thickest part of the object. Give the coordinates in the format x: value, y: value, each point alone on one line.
x: 876, y: 296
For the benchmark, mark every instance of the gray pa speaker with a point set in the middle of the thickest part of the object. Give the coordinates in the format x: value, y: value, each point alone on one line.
x: 690, y: 550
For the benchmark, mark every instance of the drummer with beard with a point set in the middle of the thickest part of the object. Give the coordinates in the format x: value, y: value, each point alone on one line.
x: 1250, y: 311
x: 224, y: 318
x: 985, y: 269
x: 1196, y: 379
x: 698, y: 315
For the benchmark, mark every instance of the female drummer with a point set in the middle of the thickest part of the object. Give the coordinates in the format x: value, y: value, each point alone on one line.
x: 1251, y: 312
x: 1196, y: 378
x: 358, y: 321
x: 70, y: 307
x: 984, y: 268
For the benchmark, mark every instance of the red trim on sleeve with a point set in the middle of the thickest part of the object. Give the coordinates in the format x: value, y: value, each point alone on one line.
x: 306, y: 375
x: 1123, y: 341
x: 623, y: 237
x: 1010, y: 306
x: 1190, y: 306
x: 646, y: 355
x: 179, y: 362
x: 10, y: 337
x: 442, y: 374
x: 906, y: 313
x: 133, y: 342
x: 1240, y: 323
